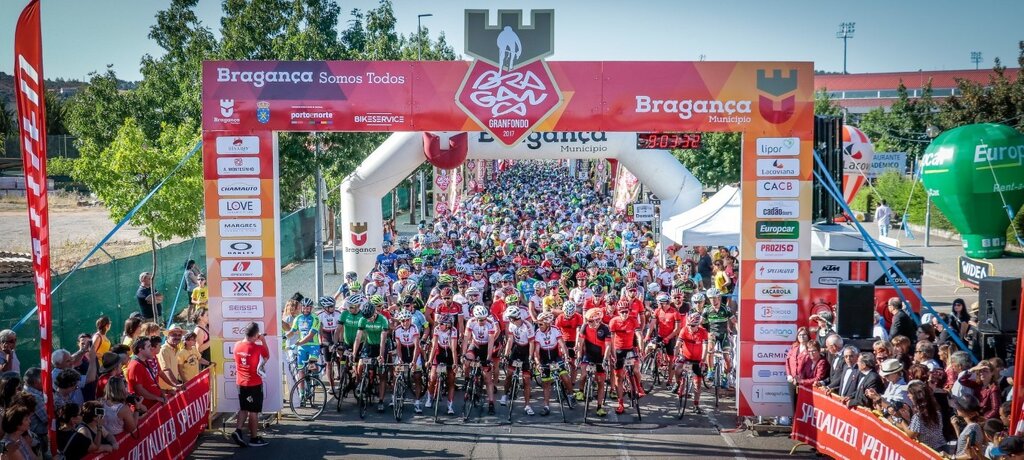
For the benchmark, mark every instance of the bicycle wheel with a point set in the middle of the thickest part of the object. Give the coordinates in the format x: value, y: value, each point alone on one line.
x: 708, y: 382
x: 470, y: 395
x: 649, y: 369
x: 559, y: 395
x: 343, y: 381
x: 307, y: 401
x: 398, y: 394
x: 516, y: 381
x: 634, y: 397
x: 588, y: 394
x: 717, y: 379
x: 442, y: 382
x: 683, y: 395
x: 363, y: 391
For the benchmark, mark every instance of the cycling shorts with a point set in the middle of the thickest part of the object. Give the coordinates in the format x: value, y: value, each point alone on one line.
x: 305, y: 352
x: 620, y: 358
x: 480, y: 352
x: 520, y: 353
x: 596, y: 358
x: 370, y: 351
x: 570, y: 348
x: 444, y: 357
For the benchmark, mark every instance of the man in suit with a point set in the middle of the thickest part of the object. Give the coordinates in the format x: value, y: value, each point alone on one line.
x: 844, y: 380
x: 833, y: 349
x: 902, y: 323
x: 869, y: 379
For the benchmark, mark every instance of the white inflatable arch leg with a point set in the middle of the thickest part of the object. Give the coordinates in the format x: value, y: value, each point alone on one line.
x: 402, y: 153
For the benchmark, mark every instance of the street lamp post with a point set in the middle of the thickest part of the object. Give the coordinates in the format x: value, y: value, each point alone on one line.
x: 845, y: 33
x: 422, y: 176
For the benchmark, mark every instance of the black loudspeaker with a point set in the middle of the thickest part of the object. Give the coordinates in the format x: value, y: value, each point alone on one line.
x: 855, y: 309
x: 998, y: 304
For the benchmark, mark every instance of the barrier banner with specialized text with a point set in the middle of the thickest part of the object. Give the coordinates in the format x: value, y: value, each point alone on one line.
x: 825, y: 423
x: 171, y: 429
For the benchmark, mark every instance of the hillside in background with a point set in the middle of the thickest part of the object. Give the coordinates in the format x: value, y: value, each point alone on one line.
x: 64, y: 87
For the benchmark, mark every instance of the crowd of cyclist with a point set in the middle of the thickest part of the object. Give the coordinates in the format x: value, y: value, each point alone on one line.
x: 538, y: 271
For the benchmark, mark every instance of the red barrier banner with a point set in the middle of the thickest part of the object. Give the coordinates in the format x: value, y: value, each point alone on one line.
x: 1017, y: 406
x: 28, y: 84
x: 170, y: 431
x: 825, y: 423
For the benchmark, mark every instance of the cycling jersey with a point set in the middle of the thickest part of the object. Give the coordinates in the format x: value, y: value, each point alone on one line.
x: 522, y: 334
x: 350, y: 326
x: 406, y: 336
x: 547, y: 340
x: 717, y: 321
x: 449, y: 308
x: 525, y: 287
x: 693, y: 342
x: 303, y: 325
x: 328, y: 324
x: 667, y: 319
x: 623, y: 330
x: 596, y: 340
x: 481, y: 333
x: 445, y: 338
x: 373, y: 329
x: 568, y: 326
x: 373, y: 289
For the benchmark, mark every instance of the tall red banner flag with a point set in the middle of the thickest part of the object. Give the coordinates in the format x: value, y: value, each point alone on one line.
x: 29, y: 91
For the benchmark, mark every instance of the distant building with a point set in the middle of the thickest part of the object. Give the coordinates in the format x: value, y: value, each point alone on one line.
x: 860, y: 93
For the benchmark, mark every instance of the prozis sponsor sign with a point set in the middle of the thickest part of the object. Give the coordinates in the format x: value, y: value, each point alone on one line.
x: 241, y: 248
x: 778, y: 209
x: 776, y: 311
x: 238, y: 145
x: 778, y: 188
x: 238, y: 166
x: 777, y: 249
x: 241, y: 309
x: 776, y: 291
x: 241, y: 268
x: 776, y: 271
x: 242, y: 288
x: 778, y: 167
x: 240, y: 207
x: 781, y: 229
x: 778, y: 146
x: 235, y: 330
x: 242, y: 186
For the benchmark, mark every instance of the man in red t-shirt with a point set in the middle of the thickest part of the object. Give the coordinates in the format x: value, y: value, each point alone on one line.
x: 251, y: 355
x: 568, y: 324
x: 692, y: 348
x: 624, y: 329
x: 140, y: 378
x: 667, y: 321
x: 636, y: 305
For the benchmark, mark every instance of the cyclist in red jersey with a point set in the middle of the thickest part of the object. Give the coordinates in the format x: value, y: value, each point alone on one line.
x: 625, y: 334
x: 667, y: 323
x: 692, y: 348
x: 447, y: 306
x: 596, y: 300
x: 593, y: 345
x: 568, y: 323
x: 636, y: 305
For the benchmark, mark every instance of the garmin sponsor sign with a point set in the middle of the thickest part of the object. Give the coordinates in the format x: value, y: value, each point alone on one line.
x: 778, y: 209
x: 770, y: 353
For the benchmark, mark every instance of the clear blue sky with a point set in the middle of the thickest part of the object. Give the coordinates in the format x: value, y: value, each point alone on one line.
x: 80, y: 36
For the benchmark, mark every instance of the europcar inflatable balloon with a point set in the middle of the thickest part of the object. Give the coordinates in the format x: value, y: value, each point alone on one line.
x: 971, y: 172
x: 857, y: 156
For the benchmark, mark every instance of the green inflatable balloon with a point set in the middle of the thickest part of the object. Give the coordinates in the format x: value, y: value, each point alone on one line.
x: 971, y: 173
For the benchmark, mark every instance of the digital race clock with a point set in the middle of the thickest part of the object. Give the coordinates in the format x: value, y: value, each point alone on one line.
x: 667, y: 141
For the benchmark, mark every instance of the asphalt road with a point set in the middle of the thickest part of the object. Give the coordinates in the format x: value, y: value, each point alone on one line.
x: 658, y: 435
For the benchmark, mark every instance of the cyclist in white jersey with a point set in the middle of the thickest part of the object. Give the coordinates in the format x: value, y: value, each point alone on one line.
x: 549, y: 348
x: 480, y: 334
x: 330, y: 333
x: 517, y: 348
x: 407, y: 342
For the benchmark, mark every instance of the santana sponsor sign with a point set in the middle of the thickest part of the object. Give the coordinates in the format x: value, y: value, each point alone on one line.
x: 825, y: 423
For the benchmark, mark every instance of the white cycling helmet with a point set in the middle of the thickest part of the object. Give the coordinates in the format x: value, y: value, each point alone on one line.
x: 479, y: 312
x: 653, y: 287
x: 545, y: 317
x: 540, y: 285
x: 714, y: 292
x: 697, y: 297
x: 569, y: 307
x: 403, y: 315
x: 473, y: 291
x: 512, y: 314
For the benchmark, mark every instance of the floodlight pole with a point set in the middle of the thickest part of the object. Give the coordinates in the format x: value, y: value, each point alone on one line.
x: 845, y: 33
x: 976, y: 59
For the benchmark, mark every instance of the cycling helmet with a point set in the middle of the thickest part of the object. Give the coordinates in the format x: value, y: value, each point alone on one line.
x: 670, y: 263
x: 512, y: 314
x: 473, y: 291
x: 512, y: 299
x: 326, y: 302
x: 612, y: 297
x: 556, y: 262
x: 376, y: 300
x: 403, y: 315
x: 662, y: 297
x: 378, y: 276
x: 693, y: 319
x: 349, y: 276
x: 593, y: 314
x: 545, y: 317
x: 445, y: 279
x: 632, y: 275
x: 714, y: 292
x: 368, y: 310
x: 403, y: 241
x: 507, y: 278
x: 446, y: 320
x: 569, y: 307
x: 403, y: 273
x: 653, y: 287
x: 307, y: 302
x: 355, y: 286
x: 581, y: 275
x: 445, y: 292
x: 540, y: 285
x: 622, y: 306
x: 480, y: 311
x: 417, y: 261
x: 355, y: 300
x: 386, y: 244
x: 495, y: 278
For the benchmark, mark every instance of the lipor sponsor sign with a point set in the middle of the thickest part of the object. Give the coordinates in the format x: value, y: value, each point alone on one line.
x: 778, y: 146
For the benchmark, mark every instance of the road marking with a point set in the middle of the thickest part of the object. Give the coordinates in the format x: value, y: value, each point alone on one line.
x: 623, y: 451
x: 732, y: 445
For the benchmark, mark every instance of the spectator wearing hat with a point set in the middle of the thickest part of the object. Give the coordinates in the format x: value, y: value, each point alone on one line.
x: 988, y: 395
x: 170, y: 376
x: 869, y: 380
x: 110, y: 366
x: 896, y: 387
x: 902, y: 323
x: 8, y: 358
x: 149, y: 300
x: 967, y: 424
x: 824, y: 321
x: 189, y: 358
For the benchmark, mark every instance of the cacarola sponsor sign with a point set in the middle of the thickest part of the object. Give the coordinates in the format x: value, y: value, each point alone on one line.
x: 775, y: 291
x: 686, y: 108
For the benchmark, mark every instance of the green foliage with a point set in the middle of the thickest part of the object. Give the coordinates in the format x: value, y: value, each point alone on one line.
x: 717, y: 162
x: 897, y: 189
x: 825, y: 105
x: 902, y: 128
x: 123, y: 173
x: 97, y: 112
x: 999, y: 101
x: 7, y: 126
x: 56, y: 110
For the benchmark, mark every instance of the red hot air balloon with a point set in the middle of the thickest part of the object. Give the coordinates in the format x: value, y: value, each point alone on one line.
x: 857, y: 156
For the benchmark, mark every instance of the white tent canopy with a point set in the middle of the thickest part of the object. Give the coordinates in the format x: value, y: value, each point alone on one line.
x: 716, y: 222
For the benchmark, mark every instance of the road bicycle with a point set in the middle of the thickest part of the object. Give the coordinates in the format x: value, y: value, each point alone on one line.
x: 402, y: 383
x: 474, y: 386
x: 343, y: 372
x: 686, y: 389
x: 630, y: 384
x: 309, y: 394
x: 441, y: 388
x: 566, y: 402
x: 713, y: 378
x: 367, y: 386
x: 517, y: 383
x: 590, y: 384
x: 651, y: 367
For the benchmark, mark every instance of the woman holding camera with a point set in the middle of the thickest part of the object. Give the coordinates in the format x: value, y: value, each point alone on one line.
x: 118, y: 414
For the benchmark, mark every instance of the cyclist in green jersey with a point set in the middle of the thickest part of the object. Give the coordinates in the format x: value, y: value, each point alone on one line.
x: 350, y: 319
x: 720, y: 323
x: 373, y: 330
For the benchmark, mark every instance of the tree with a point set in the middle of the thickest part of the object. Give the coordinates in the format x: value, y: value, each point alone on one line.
x: 717, y: 162
x: 55, y: 114
x: 902, y: 128
x: 825, y: 105
x: 1001, y: 101
x: 7, y: 125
